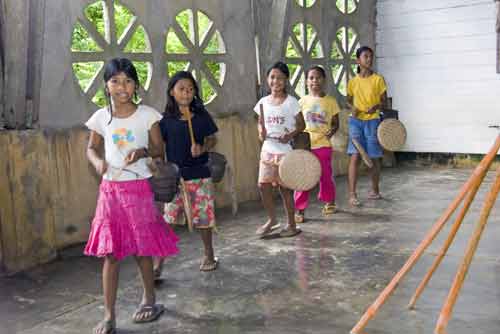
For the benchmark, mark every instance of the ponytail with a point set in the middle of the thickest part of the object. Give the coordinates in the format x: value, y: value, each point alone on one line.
x: 110, y: 105
x: 359, y: 52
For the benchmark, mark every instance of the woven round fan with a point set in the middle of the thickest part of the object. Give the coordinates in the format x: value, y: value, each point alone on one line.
x: 300, y: 170
x: 391, y: 134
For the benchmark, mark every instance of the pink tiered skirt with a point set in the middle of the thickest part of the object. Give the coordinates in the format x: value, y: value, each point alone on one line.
x: 127, y: 222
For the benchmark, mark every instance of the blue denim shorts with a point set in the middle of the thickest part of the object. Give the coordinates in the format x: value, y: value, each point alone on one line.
x: 366, y: 133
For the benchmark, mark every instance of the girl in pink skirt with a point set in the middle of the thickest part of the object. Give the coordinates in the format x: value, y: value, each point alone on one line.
x: 126, y: 221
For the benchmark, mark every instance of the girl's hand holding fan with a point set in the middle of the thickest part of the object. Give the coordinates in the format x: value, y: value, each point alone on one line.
x: 286, y: 138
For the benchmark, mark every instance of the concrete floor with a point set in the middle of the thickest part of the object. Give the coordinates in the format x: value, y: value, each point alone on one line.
x: 319, y: 282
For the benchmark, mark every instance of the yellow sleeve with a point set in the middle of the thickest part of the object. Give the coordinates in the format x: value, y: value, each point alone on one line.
x: 382, y: 87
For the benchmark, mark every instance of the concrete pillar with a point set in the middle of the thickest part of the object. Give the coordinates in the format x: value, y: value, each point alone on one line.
x: 2, y: 92
x: 271, y: 24
x: 34, y: 61
x: 16, y: 41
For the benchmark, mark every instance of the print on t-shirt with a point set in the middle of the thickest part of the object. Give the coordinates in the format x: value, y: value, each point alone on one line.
x: 122, y: 137
x: 278, y: 120
x: 275, y: 120
x: 316, y: 116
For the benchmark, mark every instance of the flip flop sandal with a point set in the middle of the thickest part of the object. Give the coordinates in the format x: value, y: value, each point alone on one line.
x: 329, y: 209
x: 105, y: 327
x: 299, y: 218
x: 209, y: 266
x: 155, y: 312
x: 374, y: 196
x: 262, y: 231
x: 287, y: 232
x: 354, y: 201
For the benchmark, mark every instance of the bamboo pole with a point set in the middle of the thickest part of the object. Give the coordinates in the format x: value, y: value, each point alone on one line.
x: 261, y: 118
x: 187, y: 205
x: 190, y: 128
x: 453, y: 232
x: 431, y: 235
x: 447, y: 309
x: 185, y: 194
x: 364, y: 156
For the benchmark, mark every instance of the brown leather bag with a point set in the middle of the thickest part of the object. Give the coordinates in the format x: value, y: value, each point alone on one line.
x: 217, y: 164
x: 165, y: 180
x: 302, y: 141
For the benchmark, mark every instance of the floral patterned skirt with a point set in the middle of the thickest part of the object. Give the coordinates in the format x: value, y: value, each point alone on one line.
x: 201, y: 197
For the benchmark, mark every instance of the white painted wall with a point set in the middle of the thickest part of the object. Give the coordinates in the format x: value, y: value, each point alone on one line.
x: 439, y: 60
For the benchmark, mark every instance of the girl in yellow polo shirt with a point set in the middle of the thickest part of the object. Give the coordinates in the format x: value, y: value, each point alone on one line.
x: 366, y: 94
x: 320, y: 113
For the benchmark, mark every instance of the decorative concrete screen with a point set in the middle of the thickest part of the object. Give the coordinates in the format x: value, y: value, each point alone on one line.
x: 210, y: 38
x: 54, y: 57
x: 326, y: 33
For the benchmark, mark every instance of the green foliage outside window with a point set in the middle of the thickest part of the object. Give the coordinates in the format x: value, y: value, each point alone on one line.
x: 96, y: 14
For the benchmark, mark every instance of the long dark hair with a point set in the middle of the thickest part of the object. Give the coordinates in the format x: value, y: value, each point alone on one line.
x: 283, y: 68
x: 114, y: 67
x: 172, y: 107
x: 360, y: 51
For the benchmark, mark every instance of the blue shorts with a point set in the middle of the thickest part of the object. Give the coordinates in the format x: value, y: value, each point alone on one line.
x: 366, y: 133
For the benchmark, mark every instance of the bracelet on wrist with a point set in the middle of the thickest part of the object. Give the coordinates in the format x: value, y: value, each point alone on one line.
x: 146, y: 152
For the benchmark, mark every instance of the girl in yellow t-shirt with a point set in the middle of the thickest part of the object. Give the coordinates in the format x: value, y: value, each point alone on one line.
x: 320, y: 113
x: 366, y: 94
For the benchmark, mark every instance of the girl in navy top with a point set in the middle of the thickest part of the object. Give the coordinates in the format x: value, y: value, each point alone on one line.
x: 184, y: 104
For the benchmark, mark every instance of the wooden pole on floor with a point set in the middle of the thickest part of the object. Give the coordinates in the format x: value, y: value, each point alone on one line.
x: 431, y: 235
x: 456, y: 225
x: 186, y: 202
x: 447, y: 309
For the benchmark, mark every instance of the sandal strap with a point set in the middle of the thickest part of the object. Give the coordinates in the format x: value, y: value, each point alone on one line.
x: 155, y: 309
x: 209, y: 266
x: 287, y: 232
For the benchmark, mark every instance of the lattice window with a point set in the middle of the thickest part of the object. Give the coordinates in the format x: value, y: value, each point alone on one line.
x: 303, y: 50
x: 343, y: 57
x: 194, y: 44
x: 347, y: 6
x: 108, y: 29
